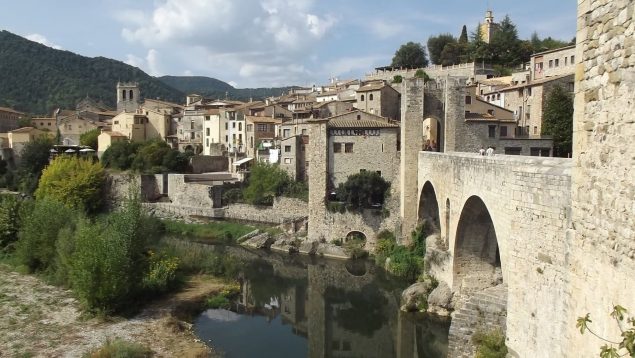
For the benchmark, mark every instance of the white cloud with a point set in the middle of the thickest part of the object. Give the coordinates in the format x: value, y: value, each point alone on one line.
x: 149, y: 64
x: 384, y: 29
x: 262, y: 41
x: 43, y: 40
x: 346, y: 65
x: 135, y: 61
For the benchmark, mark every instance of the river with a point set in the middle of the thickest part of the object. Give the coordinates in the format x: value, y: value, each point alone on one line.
x: 298, y: 306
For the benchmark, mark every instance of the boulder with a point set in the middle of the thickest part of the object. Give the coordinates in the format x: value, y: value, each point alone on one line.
x: 441, y: 296
x: 284, y: 245
x: 330, y: 250
x: 260, y: 241
x: 308, y: 247
x: 415, y: 297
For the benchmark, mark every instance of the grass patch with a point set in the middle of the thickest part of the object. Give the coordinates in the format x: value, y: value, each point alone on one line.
x: 120, y: 348
x: 490, y: 344
x: 217, y: 231
x: 223, y: 299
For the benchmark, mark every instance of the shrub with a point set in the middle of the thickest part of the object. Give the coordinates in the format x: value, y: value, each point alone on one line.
x: 36, y: 246
x: 161, y: 274
x: 34, y: 157
x: 9, y: 220
x: 108, y: 262
x: 232, y: 196
x: 120, y: 155
x: 363, y: 190
x: 404, y: 264
x: 266, y: 181
x: 90, y: 138
x: 75, y: 182
x: 490, y: 344
x: 422, y: 74
x: 218, y: 301
x: 354, y: 247
x: 397, y: 79
x: 386, y: 243
x: 120, y: 348
x: 298, y: 190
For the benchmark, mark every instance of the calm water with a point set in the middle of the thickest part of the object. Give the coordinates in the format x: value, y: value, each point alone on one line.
x: 295, y: 306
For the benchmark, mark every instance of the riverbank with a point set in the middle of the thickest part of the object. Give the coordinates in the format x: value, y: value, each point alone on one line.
x: 40, y: 320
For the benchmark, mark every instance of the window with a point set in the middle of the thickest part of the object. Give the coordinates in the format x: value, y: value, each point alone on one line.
x: 468, y: 99
x: 370, y: 97
x: 124, y: 94
x: 49, y: 124
x: 498, y: 96
x: 503, y: 131
x: 337, y: 147
x: 226, y: 139
x: 490, y: 112
x: 528, y: 91
x: 207, y: 142
x: 226, y: 126
x: 528, y: 113
x: 233, y: 124
x: 520, y: 92
x: 492, y: 131
x: 359, y: 117
x: 557, y: 62
x: 207, y: 131
x: 566, y: 59
x: 348, y: 148
x: 287, y: 149
x: 362, y: 98
x: 116, y: 122
x: 261, y: 127
x: 512, y: 150
x: 286, y: 133
x: 535, y: 129
x: 550, y: 63
x: 572, y: 60
x: 287, y: 160
x: 240, y: 126
x: 207, y: 118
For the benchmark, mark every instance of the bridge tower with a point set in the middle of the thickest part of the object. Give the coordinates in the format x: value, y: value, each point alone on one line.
x: 412, y: 108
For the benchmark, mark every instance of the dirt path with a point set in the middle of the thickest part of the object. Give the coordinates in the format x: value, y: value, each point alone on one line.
x: 40, y: 320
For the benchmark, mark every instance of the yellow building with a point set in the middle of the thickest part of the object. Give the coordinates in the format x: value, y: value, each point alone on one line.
x: 489, y: 27
x: 106, y: 139
x: 20, y: 137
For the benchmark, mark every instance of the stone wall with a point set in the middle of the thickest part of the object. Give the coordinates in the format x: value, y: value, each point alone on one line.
x: 283, y: 210
x: 120, y: 186
x: 209, y: 164
x: 601, y: 243
x: 528, y: 199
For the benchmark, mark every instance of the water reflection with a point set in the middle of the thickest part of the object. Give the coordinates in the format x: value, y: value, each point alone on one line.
x: 294, y: 306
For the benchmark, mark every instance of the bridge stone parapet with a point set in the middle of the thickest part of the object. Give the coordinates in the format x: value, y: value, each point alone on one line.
x: 511, y: 212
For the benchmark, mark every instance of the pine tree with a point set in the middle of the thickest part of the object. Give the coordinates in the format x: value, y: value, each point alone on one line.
x: 463, y: 37
x: 558, y: 121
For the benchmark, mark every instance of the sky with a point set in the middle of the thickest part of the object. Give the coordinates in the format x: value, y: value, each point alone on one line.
x: 265, y: 43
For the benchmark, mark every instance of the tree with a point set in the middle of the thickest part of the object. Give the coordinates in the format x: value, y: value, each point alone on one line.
x: 33, y: 158
x: 363, y: 190
x: 558, y: 121
x: 478, y: 49
x: 266, y: 181
x: 451, y: 54
x: 625, y: 347
x: 75, y: 182
x: 436, y: 44
x: 120, y: 155
x: 90, y: 138
x: 410, y: 55
x: 462, y: 37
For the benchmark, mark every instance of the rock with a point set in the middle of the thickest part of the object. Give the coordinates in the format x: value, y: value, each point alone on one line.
x: 308, y: 247
x: 261, y: 241
x: 441, y: 296
x: 284, y: 244
x: 248, y: 236
x: 415, y: 297
x: 330, y: 250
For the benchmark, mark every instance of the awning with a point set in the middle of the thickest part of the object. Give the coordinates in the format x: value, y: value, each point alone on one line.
x: 242, y: 161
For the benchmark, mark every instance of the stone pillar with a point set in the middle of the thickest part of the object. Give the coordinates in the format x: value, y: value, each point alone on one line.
x: 318, y: 176
x: 601, y: 242
x: 454, y: 99
x: 411, y: 145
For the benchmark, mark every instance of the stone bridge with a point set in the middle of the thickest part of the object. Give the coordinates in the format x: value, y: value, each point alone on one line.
x: 504, y: 215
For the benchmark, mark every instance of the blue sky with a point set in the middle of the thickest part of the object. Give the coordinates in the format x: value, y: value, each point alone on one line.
x: 265, y: 43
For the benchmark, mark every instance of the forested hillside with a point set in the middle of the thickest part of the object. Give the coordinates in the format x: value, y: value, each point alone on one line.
x: 37, y: 79
x: 214, y: 88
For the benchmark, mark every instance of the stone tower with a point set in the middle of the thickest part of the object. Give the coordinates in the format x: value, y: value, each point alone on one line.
x: 128, y: 96
x: 601, y: 241
x: 488, y: 27
x: 318, y: 176
x: 412, y: 104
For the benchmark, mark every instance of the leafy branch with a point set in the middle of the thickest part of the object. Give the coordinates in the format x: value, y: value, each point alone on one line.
x: 625, y: 347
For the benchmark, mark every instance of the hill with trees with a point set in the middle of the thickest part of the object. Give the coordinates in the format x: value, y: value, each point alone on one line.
x: 37, y: 78
x: 505, y: 50
x: 214, y: 88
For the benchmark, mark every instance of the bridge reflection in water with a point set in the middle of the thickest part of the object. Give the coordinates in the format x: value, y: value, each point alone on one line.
x: 341, y: 308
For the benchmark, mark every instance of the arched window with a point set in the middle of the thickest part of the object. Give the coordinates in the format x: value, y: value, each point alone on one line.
x: 362, y: 97
x: 131, y: 95
x: 123, y: 93
x: 370, y: 97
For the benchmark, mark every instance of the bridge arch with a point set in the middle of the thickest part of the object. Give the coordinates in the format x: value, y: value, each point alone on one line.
x: 429, y: 207
x: 477, y: 256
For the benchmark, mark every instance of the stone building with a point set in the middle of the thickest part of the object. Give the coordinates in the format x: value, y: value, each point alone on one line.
x: 72, y: 126
x: 527, y: 101
x: 556, y: 62
x: 106, y: 139
x: 20, y: 137
x: 379, y: 98
x: 128, y: 96
x: 261, y: 134
x: 293, y: 158
x: 44, y: 123
x: 9, y: 119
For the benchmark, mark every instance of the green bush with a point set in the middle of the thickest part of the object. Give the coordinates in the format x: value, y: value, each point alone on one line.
x: 354, y: 247
x: 490, y: 344
x: 90, y: 138
x: 193, y: 260
x: 9, y: 220
x: 297, y: 189
x: 363, y: 190
x: 75, y: 182
x: 153, y: 156
x: 386, y: 243
x: 161, y: 273
x: 109, y: 262
x: 120, y: 155
x: 265, y: 182
x: 34, y: 157
x: 36, y: 246
x: 232, y: 196
x: 120, y: 348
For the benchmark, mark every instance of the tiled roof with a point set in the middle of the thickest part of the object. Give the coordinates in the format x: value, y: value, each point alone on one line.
x: 258, y: 119
x: 11, y: 110
x: 23, y: 130
x: 367, y: 120
x: 485, y: 117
